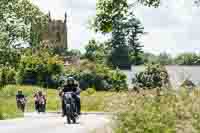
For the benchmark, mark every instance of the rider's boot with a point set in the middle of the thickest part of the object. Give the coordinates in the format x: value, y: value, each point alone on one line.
x: 78, y: 107
x: 63, y: 109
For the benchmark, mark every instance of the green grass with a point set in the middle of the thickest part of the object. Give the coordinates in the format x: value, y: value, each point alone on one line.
x: 90, y: 100
x: 146, y: 112
x: 171, y: 112
x: 8, y: 107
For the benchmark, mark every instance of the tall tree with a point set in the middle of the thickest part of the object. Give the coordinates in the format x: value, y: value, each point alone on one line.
x: 16, y: 20
x: 134, y: 31
x: 96, y: 51
x: 107, y: 10
x: 32, y: 16
x: 126, y: 33
x: 119, y: 56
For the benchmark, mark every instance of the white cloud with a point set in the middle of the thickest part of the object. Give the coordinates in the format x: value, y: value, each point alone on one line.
x: 173, y: 27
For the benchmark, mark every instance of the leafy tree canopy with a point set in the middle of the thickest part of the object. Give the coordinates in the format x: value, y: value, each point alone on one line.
x: 96, y: 51
x: 21, y: 23
x: 17, y: 18
x: 109, y: 10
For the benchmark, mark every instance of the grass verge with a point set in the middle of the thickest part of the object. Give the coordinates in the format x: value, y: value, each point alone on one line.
x: 91, y: 100
x: 146, y: 112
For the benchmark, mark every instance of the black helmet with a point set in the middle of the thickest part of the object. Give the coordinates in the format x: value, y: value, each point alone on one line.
x: 19, y: 91
x: 40, y: 93
x: 70, y: 80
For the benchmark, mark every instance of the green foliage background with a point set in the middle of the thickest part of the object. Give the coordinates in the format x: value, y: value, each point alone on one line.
x: 154, y: 76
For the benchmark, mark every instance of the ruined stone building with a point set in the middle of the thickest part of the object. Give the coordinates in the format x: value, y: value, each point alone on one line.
x: 56, y: 34
x: 56, y: 37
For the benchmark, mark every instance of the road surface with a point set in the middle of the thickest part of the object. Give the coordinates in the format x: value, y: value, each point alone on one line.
x: 53, y: 123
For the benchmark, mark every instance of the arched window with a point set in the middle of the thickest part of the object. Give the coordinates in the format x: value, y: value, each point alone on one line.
x: 58, y: 36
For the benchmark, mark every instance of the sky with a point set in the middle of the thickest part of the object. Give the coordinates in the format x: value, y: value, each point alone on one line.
x: 172, y: 28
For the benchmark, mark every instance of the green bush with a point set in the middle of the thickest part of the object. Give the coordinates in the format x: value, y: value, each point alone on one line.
x: 154, y: 76
x: 89, y: 91
x: 98, y: 76
x: 188, y: 83
x: 42, y: 70
x: 118, y: 80
x: 88, y: 79
x: 7, y: 76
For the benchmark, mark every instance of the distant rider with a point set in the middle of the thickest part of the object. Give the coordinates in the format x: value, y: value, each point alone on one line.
x: 21, y: 100
x: 40, y: 98
x: 71, y: 86
x: 36, y: 100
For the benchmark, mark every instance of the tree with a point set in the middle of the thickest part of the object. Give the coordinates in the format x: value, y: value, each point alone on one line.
x: 134, y: 30
x: 150, y: 3
x: 9, y: 56
x: 91, y: 50
x: 32, y: 16
x: 96, y: 51
x: 149, y: 58
x: 164, y: 59
x: 73, y: 52
x: 13, y: 30
x: 188, y: 59
x: 114, y: 17
x: 40, y: 68
x: 18, y: 19
x: 125, y: 40
x: 12, y: 34
x: 107, y: 10
x: 153, y: 76
x: 119, y: 56
x: 16, y: 28
x: 106, y: 13
x: 119, y: 32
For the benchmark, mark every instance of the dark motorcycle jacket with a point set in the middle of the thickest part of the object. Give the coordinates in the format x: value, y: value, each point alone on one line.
x: 71, y: 88
x: 20, y: 96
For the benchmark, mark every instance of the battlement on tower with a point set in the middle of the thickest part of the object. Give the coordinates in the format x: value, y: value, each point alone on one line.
x: 56, y: 34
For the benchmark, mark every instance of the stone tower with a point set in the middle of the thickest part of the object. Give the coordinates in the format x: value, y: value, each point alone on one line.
x: 56, y: 34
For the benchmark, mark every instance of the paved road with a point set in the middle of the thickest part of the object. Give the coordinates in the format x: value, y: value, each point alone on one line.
x: 53, y: 123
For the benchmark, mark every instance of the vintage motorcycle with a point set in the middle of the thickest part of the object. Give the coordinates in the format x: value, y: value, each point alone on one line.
x: 41, y: 107
x: 21, y: 104
x: 70, y: 107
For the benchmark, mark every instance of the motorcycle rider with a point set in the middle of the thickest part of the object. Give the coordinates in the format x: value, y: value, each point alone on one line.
x: 42, y: 97
x: 71, y: 86
x: 19, y: 98
x: 36, y: 100
x: 39, y: 96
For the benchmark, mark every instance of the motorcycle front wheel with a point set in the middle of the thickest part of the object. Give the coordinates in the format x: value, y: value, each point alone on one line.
x: 68, y: 119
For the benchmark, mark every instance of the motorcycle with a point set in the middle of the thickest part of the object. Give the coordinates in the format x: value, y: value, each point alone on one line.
x: 21, y: 104
x: 70, y: 107
x: 41, y: 105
